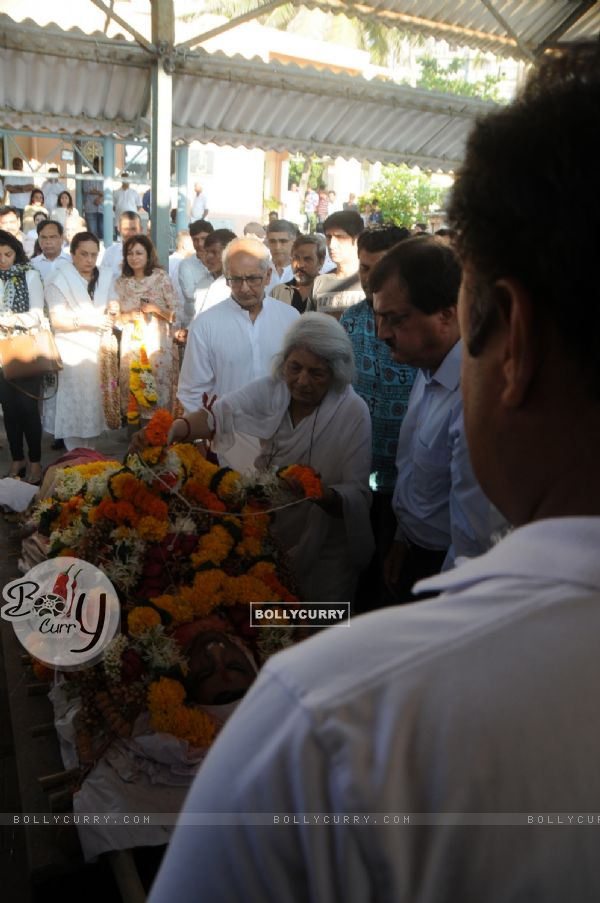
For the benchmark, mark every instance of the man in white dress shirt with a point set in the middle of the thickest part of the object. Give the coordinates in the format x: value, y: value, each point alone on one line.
x: 456, y: 741
x: 129, y: 224
x: 126, y: 199
x: 199, y: 208
x: 192, y: 273
x: 217, y: 290
x: 19, y: 187
x: 53, y: 256
x: 233, y: 343
x: 52, y: 187
x: 281, y: 235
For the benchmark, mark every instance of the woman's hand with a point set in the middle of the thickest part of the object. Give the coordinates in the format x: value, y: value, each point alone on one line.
x: 149, y: 307
x: 113, y: 308
x: 138, y: 442
x: 180, y: 429
x: 180, y: 336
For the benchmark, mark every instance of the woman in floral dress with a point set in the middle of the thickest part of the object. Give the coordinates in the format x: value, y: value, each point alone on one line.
x: 149, y: 368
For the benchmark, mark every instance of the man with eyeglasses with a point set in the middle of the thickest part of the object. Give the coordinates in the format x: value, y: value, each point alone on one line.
x: 233, y: 343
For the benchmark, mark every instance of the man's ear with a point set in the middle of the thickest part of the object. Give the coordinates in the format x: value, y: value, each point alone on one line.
x: 518, y: 356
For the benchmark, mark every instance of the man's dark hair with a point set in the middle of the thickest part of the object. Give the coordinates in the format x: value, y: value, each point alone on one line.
x: 8, y: 209
x: 201, y: 225
x: 220, y: 237
x: 282, y: 225
x: 529, y: 170
x: 348, y: 220
x: 127, y: 214
x: 381, y: 238
x: 426, y: 267
x: 313, y: 239
x: 49, y: 222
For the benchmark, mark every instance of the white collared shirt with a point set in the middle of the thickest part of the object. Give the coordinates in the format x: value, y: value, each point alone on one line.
x: 47, y: 268
x: 482, y: 703
x: 225, y: 350
x: 286, y: 274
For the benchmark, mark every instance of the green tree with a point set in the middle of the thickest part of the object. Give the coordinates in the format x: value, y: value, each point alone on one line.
x: 405, y: 196
x: 307, y: 172
x: 450, y: 79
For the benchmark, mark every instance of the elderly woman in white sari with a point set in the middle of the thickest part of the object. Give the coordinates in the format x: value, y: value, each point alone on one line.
x: 82, y: 304
x: 307, y: 413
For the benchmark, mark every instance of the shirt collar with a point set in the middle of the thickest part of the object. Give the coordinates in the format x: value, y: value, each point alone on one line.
x: 556, y: 550
x: 448, y: 372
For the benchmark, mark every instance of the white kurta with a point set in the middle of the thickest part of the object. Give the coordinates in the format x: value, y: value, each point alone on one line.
x: 225, y: 350
x: 326, y: 553
x: 77, y: 409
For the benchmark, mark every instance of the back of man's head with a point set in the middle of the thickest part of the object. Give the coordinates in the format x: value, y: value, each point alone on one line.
x: 282, y: 225
x: 254, y: 230
x: 509, y: 223
x: 349, y: 221
x: 201, y: 225
x: 219, y: 237
x: 426, y: 267
x: 382, y: 238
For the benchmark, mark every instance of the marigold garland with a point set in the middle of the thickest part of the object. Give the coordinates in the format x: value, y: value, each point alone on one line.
x: 170, y: 715
x: 180, y: 540
x: 305, y: 477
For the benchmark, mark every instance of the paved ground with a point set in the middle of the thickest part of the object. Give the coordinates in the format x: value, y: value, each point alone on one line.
x: 35, y: 864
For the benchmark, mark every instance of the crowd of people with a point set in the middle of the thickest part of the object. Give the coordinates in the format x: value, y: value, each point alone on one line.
x: 348, y: 397
x: 446, y: 749
x: 456, y: 446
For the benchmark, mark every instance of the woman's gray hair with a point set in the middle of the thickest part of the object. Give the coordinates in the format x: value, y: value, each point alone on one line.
x: 323, y: 336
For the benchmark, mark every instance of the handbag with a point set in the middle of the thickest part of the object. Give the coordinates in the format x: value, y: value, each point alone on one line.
x: 29, y: 354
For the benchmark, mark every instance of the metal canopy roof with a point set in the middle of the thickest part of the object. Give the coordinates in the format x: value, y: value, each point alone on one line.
x: 518, y: 28
x: 52, y: 80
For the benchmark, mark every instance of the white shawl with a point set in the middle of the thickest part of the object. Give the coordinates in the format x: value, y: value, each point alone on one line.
x: 327, y: 553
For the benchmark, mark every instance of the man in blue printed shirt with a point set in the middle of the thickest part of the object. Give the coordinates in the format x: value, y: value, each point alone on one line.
x: 385, y: 386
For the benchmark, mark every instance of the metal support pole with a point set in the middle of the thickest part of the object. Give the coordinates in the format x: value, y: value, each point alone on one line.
x: 162, y: 106
x: 163, y: 38
x: 109, y: 173
x: 181, y: 164
x: 78, y: 184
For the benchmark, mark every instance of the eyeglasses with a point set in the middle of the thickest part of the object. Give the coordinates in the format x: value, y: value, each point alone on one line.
x: 238, y: 281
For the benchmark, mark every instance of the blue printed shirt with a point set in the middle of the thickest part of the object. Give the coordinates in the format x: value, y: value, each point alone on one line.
x: 384, y: 385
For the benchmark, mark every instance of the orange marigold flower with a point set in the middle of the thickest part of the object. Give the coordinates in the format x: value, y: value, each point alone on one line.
x: 158, y: 428
x: 306, y: 477
x: 151, y: 529
x: 141, y: 618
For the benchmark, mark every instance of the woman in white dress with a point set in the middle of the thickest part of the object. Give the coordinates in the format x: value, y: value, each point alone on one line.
x: 307, y: 413
x: 65, y: 213
x: 81, y: 301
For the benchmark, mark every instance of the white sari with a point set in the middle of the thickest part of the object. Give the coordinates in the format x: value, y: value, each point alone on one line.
x: 77, y: 408
x: 326, y: 553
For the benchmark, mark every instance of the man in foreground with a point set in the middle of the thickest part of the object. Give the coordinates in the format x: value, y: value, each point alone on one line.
x: 480, y: 704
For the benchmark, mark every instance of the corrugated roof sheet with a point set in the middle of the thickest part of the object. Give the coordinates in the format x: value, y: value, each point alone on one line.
x: 473, y: 23
x: 69, y: 82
